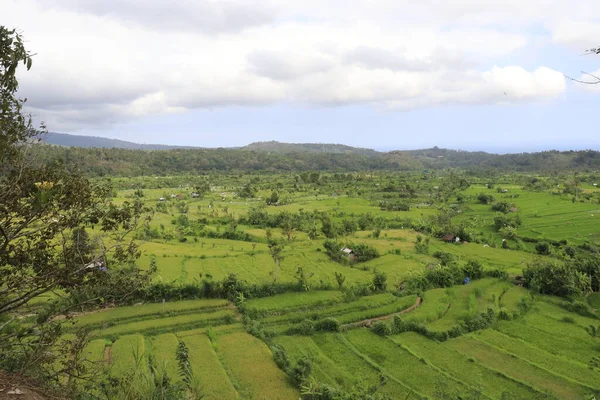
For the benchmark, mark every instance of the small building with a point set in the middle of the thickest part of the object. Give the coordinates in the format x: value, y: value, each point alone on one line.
x: 505, y: 191
x: 172, y: 195
x: 161, y: 199
x: 195, y: 195
x: 450, y: 238
x: 96, y: 266
x: 349, y: 253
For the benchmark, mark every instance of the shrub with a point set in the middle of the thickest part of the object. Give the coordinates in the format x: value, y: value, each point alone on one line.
x: 328, y: 325
x: 502, y: 206
x: 307, y: 327
x: 473, y: 269
x: 422, y: 245
x: 302, y: 370
x: 578, y: 307
x: 379, y: 281
x: 504, y: 315
x: 444, y: 257
x: 280, y: 357
x: 483, y: 198
x: 550, y: 277
x: 381, y: 328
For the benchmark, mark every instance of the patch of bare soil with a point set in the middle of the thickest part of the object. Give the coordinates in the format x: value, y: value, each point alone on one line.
x: 14, y: 387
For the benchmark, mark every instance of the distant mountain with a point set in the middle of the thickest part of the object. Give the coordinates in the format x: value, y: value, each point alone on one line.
x: 64, y: 139
x: 287, y: 148
x: 67, y: 140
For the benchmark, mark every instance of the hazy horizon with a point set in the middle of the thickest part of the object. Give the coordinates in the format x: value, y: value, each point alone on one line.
x: 515, y: 150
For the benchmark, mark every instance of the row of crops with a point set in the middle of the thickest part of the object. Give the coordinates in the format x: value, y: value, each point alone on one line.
x: 538, y: 353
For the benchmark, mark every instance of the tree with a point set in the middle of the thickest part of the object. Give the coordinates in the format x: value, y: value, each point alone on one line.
x: 289, y: 223
x: 274, y: 198
x: 202, y: 187
x: 554, y: 278
x: 276, y: 247
x: 379, y: 281
x: 46, y: 216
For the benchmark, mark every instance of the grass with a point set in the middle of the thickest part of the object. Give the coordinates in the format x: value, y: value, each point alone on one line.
x: 517, y: 368
x: 94, y: 351
x: 555, y: 364
x: 399, y: 305
x: 214, y: 381
x: 594, y: 300
x: 435, y: 304
x: 363, y: 304
x: 290, y: 301
x: 324, y: 368
x: 127, y: 351
x: 171, y: 324
x: 354, y: 364
x: 575, y: 350
x: 147, y: 310
x: 402, y: 365
x: 250, y: 363
x: 462, y: 368
x: 163, y: 350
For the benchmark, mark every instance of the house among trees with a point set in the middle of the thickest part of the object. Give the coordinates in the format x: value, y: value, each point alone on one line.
x: 450, y: 238
x: 96, y: 265
x: 161, y: 199
x: 195, y: 195
x: 349, y: 253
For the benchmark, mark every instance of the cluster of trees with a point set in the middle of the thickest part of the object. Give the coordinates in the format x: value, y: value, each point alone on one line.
x: 447, y: 273
x: 47, y: 212
x: 569, y: 278
x: 361, y: 252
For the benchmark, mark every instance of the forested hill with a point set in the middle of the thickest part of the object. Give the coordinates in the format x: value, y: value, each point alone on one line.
x: 64, y: 139
x: 552, y: 160
x: 286, y: 148
x: 123, y: 162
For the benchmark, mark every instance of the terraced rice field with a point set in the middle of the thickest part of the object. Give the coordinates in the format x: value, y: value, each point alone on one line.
x: 222, y: 365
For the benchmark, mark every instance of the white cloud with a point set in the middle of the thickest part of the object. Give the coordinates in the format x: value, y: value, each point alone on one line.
x: 104, y: 62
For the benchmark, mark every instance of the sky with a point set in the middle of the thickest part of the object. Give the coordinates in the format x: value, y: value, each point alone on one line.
x: 383, y: 74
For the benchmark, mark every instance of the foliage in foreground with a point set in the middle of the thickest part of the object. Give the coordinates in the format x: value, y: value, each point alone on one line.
x: 46, y: 214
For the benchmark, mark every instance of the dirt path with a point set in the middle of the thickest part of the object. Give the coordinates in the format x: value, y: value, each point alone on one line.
x: 368, y: 322
x: 108, y: 355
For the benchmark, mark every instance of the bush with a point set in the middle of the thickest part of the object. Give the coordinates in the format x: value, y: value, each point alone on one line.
x: 578, y: 307
x: 473, y: 269
x: 504, y: 315
x: 328, y: 325
x: 381, y: 328
x: 543, y: 248
x: 483, y: 198
x: 444, y: 257
x: 302, y: 370
x: 280, y: 357
x: 502, y: 206
x: 379, y: 281
x: 307, y: 327
x: 554, y: 278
